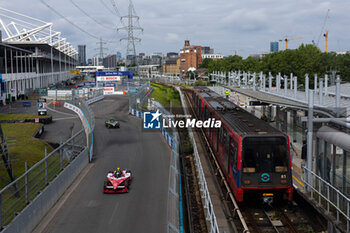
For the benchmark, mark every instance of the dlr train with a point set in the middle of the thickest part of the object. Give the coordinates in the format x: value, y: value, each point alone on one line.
x: 254, y: 156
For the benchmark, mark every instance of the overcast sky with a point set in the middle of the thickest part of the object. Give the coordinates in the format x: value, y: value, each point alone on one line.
x: 228, y: 26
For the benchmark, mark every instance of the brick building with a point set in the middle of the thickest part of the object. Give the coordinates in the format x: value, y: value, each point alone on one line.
x: 190, y: 56
x: 171, y: 67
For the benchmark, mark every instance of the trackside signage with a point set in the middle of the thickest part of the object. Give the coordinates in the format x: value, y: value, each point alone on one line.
x: 155, y: 120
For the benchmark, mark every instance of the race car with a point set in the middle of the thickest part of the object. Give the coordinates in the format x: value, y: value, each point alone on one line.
x: 117, y: 182
x: 111, y: 123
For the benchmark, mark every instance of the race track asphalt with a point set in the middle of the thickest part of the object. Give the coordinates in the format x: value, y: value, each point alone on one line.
x: 146, y: 154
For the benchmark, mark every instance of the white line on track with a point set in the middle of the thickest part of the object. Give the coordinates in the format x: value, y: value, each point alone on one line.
x: 112, y: 216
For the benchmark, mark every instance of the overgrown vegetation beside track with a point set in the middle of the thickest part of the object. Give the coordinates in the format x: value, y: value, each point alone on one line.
x: 166, y: 96
x: 23, y: 148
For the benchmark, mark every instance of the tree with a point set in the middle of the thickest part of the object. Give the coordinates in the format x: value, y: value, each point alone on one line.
x: 206, y: 63
x: 307, y: 59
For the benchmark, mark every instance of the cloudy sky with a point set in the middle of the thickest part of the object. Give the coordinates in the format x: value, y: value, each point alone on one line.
x: 228, y: 26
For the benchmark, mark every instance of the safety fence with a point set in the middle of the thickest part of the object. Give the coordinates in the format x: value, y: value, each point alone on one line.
x: 327, y: 196
x: 174, y: 205
x: 21, y: 192
x: 139, y: 96
x: 205, y: 195
x: 21, y: 196
x: 82, y: 93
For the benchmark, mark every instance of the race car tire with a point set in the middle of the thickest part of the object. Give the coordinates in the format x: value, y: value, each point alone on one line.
x: 104, y: 186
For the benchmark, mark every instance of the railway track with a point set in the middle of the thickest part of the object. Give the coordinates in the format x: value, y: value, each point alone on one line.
x: 261, y: 220
x: 282, y: 218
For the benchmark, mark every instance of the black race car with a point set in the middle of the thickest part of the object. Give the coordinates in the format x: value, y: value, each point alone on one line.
x: 111, y: 123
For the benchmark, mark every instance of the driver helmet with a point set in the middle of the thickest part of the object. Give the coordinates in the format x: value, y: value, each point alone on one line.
x: 118, y: 169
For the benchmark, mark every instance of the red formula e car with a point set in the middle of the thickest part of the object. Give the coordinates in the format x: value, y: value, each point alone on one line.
x: 117, y: 182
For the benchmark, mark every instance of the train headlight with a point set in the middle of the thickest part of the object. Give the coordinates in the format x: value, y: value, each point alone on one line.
x: 246, y: 182
x: 283, y: 176
x: 283, y: 181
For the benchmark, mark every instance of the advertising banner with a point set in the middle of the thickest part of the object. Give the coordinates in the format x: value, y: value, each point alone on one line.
x: 108, y: 90
x: 107, y: 78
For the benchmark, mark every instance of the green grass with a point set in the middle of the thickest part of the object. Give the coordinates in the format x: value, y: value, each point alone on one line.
x: 30, y: 149
x: 25, y: 148
x: 164, y: 95
x: 20, y: 116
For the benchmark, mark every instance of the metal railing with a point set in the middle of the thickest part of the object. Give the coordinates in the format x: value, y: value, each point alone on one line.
x: 327, y: 196
x: 140, y: 95
x: 205, y: 195
x: 287, y: 87
x: 18, y: 194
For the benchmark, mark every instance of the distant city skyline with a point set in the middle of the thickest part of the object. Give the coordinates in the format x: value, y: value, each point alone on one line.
x: 227, y: 26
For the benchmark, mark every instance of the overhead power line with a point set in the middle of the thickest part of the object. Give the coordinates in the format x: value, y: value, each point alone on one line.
x: 72, y: 23
x: 109, y: 9
x: 115, y: 8
x: 92, y: 18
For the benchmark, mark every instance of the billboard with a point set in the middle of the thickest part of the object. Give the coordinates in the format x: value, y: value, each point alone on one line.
x: 108, y: 90
x: 107, y: 78
x: 114, y: 74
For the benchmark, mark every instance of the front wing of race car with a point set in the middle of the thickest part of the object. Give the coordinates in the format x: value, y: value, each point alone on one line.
x: 121, y: 188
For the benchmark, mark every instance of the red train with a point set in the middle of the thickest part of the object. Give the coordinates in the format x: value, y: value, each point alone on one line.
x: 254, y: 156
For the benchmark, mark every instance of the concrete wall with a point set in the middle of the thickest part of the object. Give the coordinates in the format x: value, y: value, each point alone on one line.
x: 27, y: 220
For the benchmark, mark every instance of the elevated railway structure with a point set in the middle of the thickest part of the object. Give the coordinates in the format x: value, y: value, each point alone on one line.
x: 256, y: 217
x: 319, y: 116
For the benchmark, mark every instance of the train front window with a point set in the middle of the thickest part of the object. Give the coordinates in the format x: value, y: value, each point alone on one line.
x: 265, y: 154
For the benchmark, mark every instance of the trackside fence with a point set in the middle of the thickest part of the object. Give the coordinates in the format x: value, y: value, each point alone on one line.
x: 20, y: 193
x: 26, y: 200
x: 327, y: 196
x: 174, y: 205
x: 208, y: 205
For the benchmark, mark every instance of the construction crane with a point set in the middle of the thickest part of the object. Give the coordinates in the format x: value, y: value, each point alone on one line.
x: 326, y: 41
x: 323, y: 26
x: 288, y: 39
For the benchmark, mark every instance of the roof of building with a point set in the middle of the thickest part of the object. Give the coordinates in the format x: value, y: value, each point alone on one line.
x: 171, y: 61
x: 299, y: 101
x: 344, y: 89
x: 15, y: 48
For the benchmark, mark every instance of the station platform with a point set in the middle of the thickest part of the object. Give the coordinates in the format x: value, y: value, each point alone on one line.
x: 326, y: 193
